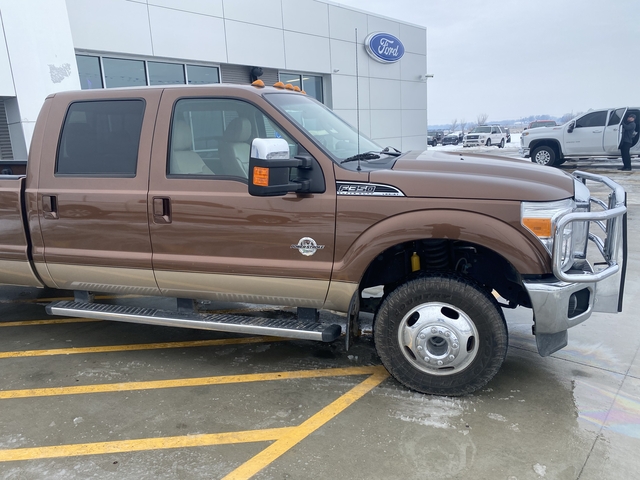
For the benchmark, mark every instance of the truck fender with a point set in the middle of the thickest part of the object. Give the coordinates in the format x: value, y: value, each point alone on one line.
x: 525, y: 254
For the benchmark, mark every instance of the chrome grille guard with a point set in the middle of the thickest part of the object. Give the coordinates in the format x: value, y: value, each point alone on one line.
x: 612, y: 221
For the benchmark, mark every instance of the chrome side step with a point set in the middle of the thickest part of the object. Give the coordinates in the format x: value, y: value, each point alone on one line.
x: 304, y: 330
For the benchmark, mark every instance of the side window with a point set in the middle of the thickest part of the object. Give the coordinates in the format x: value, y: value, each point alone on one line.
x: 101, y: 138
x: 213, y: 137
x: 595, y: 119
x: 616, y: 117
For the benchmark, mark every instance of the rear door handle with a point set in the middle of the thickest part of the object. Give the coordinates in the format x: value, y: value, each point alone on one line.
x: 50, y: 206
x: 161, y: 210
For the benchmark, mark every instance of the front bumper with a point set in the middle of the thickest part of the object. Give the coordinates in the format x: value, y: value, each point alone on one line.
x: 571, y: 297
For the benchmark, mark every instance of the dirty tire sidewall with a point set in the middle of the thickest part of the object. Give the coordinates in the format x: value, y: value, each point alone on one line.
x: 462, y: 293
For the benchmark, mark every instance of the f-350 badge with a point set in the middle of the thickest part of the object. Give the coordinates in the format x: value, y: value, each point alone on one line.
x: 307, y: 246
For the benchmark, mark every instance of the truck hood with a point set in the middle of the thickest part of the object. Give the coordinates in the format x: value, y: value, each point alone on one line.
x: 475, y: 176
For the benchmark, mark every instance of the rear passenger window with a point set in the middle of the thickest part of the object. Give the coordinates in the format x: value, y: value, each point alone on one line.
x: 101, y: 138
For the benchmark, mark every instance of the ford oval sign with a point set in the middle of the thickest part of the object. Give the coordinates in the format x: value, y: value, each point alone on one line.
x: 384, y: 47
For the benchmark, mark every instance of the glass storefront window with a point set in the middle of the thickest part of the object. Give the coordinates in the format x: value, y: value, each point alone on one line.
x: 89, y: 70
x: 165, y: 73
x: 311, y: 84
x: 120, y: 72
x: 124, y: 73
x: 199, y: 75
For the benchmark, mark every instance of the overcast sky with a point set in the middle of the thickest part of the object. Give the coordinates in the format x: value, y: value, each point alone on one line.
x: 515, y: 58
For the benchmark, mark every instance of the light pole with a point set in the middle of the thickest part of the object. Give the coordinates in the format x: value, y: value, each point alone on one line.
x: 425, y: 77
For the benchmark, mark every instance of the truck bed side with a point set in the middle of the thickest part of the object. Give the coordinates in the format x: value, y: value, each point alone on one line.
x: 15, y: 264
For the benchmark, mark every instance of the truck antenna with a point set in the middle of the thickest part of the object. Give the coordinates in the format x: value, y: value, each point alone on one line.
x: 357, y: 99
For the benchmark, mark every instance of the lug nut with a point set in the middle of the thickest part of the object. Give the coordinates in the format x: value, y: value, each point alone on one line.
x: 447, y: 334
x: 426, y: 359
x: 455, y: 345
x: 452, y: 357
x: 439, y: 362
x: 419, y: 347
x: 422, y: 335
x: 434, y: 330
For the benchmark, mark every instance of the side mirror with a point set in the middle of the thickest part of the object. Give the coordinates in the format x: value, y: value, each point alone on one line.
x: 271, y: 170
x: 571, y: 126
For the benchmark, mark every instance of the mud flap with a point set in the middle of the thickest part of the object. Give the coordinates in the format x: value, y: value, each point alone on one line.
x: 352, y: 328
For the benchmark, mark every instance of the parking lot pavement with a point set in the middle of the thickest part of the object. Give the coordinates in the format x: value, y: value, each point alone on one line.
x: 92, y: 399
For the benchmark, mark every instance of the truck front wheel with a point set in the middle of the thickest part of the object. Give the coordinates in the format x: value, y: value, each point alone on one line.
x: 441, y: 335
x: 544, y: 156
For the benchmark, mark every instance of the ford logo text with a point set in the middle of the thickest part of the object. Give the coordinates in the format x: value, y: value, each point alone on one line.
x: 384, y: 47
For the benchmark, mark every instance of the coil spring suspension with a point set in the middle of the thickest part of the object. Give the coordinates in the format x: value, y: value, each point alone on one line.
x: 436, y: 255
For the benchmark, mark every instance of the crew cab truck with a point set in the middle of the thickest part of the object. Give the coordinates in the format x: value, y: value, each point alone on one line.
x: 262, y: 195
x: 594, y: 134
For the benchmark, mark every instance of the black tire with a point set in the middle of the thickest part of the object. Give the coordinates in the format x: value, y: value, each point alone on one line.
x: 488, y: 144
x: 544, y: 155
x: 433, y: 313
x: 501, y: 143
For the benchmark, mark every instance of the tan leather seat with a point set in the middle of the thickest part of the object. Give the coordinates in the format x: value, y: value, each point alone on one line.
x: 183, y: 159
x: 236, y: 145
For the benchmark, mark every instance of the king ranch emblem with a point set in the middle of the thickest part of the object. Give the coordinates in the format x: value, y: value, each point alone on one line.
x: 307, y: 246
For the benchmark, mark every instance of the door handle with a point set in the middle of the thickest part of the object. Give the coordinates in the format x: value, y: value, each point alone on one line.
x: 161, y: 210
x: 50, y: 206
x: 597, y: 131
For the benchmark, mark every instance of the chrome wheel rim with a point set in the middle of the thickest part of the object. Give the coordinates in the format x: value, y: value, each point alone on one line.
x: 543, y: 157
x: 438, y: 338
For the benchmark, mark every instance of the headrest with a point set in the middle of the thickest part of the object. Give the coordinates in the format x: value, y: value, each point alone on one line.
x: 181, y: 137
x: 238, y: 130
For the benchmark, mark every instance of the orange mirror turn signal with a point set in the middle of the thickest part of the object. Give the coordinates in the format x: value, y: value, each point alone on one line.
x: 261, y: 176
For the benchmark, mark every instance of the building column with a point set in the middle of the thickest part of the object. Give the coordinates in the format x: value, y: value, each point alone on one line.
x: 37, y: 47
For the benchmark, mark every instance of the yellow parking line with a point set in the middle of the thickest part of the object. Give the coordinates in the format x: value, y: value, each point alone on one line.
x: 188, y: 382
x: 48, y: 322
x: 142, y: 444
x: 285, y: 438
x: 139, y: 346
x: 296, y: 435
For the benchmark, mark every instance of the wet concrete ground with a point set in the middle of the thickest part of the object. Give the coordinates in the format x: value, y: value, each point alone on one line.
x: 299, y: 410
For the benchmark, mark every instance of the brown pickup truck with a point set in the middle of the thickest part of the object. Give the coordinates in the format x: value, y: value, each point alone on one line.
x: 262, y: 195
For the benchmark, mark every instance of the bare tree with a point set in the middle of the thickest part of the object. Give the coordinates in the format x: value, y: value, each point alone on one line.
x: 482, y: 118
x: 454, y: 124
x: 566, y: 117
x: 463, y: 124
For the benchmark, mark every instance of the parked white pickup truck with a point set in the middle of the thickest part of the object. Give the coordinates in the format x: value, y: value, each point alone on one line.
x: 592, y: 134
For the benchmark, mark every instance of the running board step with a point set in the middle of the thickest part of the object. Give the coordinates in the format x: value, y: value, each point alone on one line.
x: 218, y: 322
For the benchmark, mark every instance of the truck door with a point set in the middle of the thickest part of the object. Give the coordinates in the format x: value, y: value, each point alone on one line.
x: 210, y: 238
x: 587, y: 135
x: 92, y: 192
x: 612, y: 132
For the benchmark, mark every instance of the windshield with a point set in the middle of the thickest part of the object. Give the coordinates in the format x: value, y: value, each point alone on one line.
x: 481, y: 130
x: 331, y: 132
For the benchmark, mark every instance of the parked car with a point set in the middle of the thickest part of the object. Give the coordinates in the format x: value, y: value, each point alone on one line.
x: 485, y: 135
x: 277, y: 219
x: 542, y: 123
x: 451, y: 139
x: 435, y: 135
x: 591, y: 135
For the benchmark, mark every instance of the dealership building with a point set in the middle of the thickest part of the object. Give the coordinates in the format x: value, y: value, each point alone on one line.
x: 369, y: 69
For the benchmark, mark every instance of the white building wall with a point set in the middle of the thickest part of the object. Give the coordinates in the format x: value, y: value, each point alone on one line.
x: 306, y: 36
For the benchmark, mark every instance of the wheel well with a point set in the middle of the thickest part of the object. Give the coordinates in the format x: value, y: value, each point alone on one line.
x: 412, y: 259
x: 553, y: 144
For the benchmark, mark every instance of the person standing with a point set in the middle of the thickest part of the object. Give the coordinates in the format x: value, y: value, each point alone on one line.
x: 628, y: 132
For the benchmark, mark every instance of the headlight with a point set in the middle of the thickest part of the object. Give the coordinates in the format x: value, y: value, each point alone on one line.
x: 540, y: 218
x: 525, y: 133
